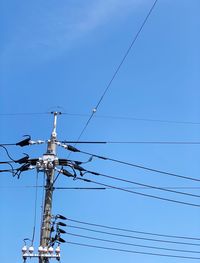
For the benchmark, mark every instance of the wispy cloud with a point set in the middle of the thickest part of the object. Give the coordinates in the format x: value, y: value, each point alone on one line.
x: 54, y: 29
x: 100, y: 12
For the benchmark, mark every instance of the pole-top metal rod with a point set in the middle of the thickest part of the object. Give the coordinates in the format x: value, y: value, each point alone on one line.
x: 55, y: 113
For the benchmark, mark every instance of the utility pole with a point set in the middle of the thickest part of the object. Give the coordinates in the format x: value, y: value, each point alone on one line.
x: 48, y: 163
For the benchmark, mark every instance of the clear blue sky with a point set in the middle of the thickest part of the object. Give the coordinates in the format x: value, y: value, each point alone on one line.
x: 61, y: 55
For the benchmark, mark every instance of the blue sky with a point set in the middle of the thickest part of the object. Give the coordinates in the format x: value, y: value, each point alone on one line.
x: 60, y: 55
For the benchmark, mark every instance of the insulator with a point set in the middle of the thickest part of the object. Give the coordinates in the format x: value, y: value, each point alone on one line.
x: 45, y: 250
x: 64, y: 146
x: 31, y: 249
x: 40, y: 249
x: 50, y: 250
x: 61, y: 224
x: 24, y: 249
x: 40, y: 142
x: 61, y: 217
x: 24, y: 142
x: 57, y: 250
x: 61, y: 231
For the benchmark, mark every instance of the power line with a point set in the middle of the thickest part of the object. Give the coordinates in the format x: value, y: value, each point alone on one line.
x: 142, y: 194
x: 80, y: 188
x: 136, y: 165
x: 146, y: 119
x: 145, y: 185
x: 133, y: 237
x: 92, y: 188
x: 121, y: 142
x: 144, y: 188
x: 132, y: 244
x: 132, y: 251
x: 103, y: 117
x: 118, y: 68
x: 24, y: 113
x: 6, y: 170
x: 152, y: 142
x: 2, y: 146
x: 132, y: 231
x: 115, y: 117
x: 8, y: 144
x: 132, y: 142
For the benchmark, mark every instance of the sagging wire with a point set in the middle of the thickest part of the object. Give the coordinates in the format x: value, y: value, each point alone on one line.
x: 73, y: 165
x: 7, y: 153
x: 12, y: 170
x: 57, y: 176
x: 24, y: 161
x: 23, y: 168
x: 20, y: 161
x: 17, y: 172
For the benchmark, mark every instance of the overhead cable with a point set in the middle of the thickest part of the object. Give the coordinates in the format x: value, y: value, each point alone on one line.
x: 146, y: 119
x: 133, y: 142
x: 133, y: 118
x: 105, y: 117
x: 132, y: 251
x: 2, y: 146
x: 83, y: 171
x: 142, y: 194
x: 132, y: 244
x: 134, y: 237
x: 23, y: 113
x: 145, y: 185
x: 132, y: 231
x: 118, y: 67
x: 71, y: 148
x: 93, y: 188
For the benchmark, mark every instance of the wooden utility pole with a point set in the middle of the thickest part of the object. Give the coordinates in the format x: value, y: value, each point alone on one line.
x: 46, y: 164
x: 49, y: 162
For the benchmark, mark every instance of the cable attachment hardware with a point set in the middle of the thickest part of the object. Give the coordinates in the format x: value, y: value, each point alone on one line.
x: 67, y: 147
x: 43, y: 252
x: 28, y: 141
x: 36, y: 142
x: 23, y: 168
x: 47, y: 162
x: 66, y: 173
x: 24, y: 142
x: 23, y: 159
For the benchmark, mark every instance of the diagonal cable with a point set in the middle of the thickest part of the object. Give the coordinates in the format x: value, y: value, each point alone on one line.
x: 119, y: 67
